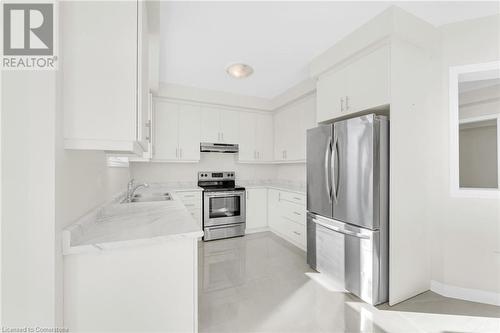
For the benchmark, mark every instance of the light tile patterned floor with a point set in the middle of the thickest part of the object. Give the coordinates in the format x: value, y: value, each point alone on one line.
x: 261, y: 283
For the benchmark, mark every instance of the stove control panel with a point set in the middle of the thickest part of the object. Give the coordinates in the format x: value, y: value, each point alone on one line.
x: 211, y: 175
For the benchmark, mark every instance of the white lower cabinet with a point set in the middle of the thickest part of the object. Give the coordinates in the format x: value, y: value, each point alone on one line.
x: 192, y: 202
x: 256, y: 208
x: 287, y: 216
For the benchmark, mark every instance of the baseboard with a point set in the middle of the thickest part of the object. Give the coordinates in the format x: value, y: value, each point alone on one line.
x: 473, y: 295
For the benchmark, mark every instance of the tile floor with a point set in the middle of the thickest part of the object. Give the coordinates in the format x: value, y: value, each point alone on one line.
x: 261, y: 283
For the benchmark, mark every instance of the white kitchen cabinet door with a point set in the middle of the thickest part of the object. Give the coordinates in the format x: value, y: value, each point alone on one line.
x: 166, y: 131
x: 101, y: 75
x: 305, y: 113
x: 294, y: 132
x: 229, y: 126
x: 264, y: 138
x: 256, y: 208
x: 281, y: 134
x: 330, y: 95
x: 210, y: 118
x: 247, y: 129
x: 144, y: 121
x: 368, y: 81
x: 189, y: 132
x: 273, y: 210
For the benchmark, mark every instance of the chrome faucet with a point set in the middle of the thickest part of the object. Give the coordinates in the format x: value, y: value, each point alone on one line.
x: 131, y: 189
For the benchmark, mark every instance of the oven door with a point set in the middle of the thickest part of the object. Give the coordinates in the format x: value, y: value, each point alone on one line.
x: 220, y: 208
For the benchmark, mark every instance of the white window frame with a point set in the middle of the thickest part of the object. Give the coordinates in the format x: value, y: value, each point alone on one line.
x: 455, y: 189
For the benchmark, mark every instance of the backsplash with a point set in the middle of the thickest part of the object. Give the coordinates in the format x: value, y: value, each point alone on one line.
x: 188, y: 172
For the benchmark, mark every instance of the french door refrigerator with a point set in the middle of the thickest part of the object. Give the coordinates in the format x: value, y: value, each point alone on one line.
x: 347, y: 204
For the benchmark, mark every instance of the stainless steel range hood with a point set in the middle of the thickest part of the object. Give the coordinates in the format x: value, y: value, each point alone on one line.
x: 207, y: 147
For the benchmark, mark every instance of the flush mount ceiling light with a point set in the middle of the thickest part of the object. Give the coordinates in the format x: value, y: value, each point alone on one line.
x: 239, y: 70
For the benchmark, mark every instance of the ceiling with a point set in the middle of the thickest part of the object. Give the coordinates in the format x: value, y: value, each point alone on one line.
x: 278, y: 39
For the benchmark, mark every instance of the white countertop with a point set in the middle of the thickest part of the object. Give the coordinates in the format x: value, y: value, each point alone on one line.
x: 115, y: 224
x: 296, y: 187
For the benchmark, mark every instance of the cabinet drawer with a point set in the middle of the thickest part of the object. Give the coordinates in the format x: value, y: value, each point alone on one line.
x: 293, y: 197
x: 293, y: 212
x: 295, y: 231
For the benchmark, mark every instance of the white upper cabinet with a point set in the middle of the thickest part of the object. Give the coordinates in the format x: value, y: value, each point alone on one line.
x: 189, y: 132
x: 210, y: 131
x: 331, y: 94
x: 361, y: 85
x: 264, y: 137
x: 104, y: 81
x: 229, y: 126
x: 177, y: 132
x: 219, y: 125
x: 255, y: 137
x: 290, y: 126
x: 247, y: 129
x: 166, y: 131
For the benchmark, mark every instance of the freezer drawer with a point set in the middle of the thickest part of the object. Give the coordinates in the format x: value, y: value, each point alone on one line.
x: 325, y: 252
x: 356, y: 256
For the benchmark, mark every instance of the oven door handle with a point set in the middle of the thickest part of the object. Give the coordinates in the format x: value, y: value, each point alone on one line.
x: 225, y: 194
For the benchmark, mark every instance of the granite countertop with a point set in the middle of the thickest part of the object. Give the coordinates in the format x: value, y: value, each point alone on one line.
x: 115, y: 224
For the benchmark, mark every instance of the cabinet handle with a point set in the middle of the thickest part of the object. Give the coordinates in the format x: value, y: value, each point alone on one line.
x: 258, y: 155
x: 148, y: 125
x: 296, y: 198
x: 342, y: 104
x: 286, y: 155
x: 180, y: 149
x: 347, y: 103
x: 297, y: 213
x: 297, y: 233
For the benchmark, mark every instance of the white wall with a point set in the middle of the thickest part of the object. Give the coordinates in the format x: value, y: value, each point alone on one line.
x: 28, y: 198
x: 465, y: 231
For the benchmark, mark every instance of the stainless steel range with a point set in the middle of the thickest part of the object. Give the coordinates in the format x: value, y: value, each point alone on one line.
x: 223, y: 205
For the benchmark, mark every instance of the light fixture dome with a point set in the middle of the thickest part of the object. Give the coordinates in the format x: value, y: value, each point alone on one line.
x: 239, y: 70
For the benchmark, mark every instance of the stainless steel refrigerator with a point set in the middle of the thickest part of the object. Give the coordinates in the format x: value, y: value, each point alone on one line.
x: 347, y: 204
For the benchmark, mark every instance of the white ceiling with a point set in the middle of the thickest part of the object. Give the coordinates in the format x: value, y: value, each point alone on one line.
x: 279, y: 39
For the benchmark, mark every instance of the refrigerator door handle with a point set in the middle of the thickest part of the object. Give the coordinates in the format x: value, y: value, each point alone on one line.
x: 342, y: 231
x: 334, y: 167
x: 328, y: 175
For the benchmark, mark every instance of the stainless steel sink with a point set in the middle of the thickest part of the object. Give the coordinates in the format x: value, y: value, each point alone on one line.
x: 151, y: 197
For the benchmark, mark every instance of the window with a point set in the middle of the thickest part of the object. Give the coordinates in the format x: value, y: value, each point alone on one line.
x: 474, y: 132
